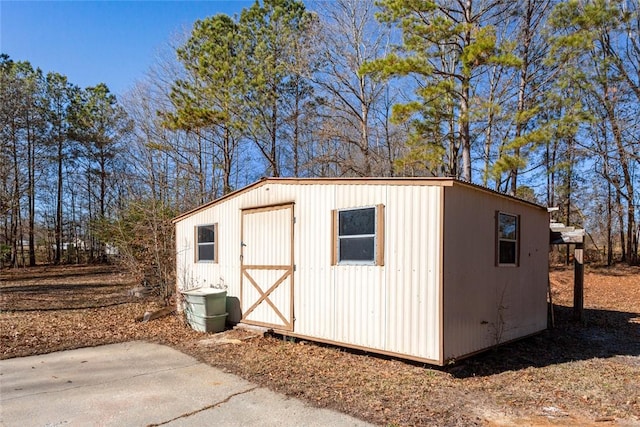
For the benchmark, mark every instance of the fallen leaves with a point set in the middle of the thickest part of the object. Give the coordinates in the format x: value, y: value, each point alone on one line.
x: 577, y: 375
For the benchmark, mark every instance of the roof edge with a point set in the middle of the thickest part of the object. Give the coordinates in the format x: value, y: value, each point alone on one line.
x: 434, y: 181
x: 190, y: 212
x: 498, y: 193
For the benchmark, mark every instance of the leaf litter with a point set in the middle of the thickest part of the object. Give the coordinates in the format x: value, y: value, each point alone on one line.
x: 574, y: 374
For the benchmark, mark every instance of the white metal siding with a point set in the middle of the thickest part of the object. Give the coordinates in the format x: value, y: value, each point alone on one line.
x: 484, y: 304
x: 393, y: 308
x: 315, y: 293
x: 413, y: 271
x: 360, y: 290
x: 438, y: 283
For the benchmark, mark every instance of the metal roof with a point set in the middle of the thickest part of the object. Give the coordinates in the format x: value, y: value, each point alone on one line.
x: 430, y: 181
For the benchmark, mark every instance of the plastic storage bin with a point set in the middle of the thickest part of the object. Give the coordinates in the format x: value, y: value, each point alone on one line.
x: 206, y: 309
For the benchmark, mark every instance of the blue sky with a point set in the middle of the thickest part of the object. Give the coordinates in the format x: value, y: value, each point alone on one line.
x: 99, y: 41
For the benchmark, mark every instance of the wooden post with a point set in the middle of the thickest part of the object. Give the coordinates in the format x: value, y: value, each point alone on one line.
x: 578, y: 282
x: 550, y: 310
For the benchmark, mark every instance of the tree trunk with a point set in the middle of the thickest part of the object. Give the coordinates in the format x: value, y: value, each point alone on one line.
x: 620, y: 210
x: 58, y: 225
x: 364, y: 129
x: 522, y: 88
x: 273, y: 158
x: 15, y: 200
x: 226, y: 155
x: 387, y: 134
x: 90, y: 212
x: 609, y: 226
x: 628, y: 182
x: 31, y: 191
x: 568, y: 217
x: 488, y: 135
x: 465, y: 134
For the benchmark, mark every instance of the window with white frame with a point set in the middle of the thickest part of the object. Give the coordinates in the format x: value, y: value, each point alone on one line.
x: 206, y: 248
x: 508, y: 230
x: 359, y: 236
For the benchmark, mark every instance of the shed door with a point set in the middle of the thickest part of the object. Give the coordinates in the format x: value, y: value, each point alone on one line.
x: 267, y: 266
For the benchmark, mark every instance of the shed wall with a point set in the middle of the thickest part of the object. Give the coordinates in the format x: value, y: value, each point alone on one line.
x: 484, y: 304
x: 393, y: 308
x: 413, y: 270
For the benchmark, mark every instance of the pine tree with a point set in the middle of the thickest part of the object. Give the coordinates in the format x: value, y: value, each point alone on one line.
x: 270, y: 32
x: 210, y: 104
x: 445, y: 46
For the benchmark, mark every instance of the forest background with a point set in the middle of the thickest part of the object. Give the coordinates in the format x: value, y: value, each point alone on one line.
x: 537, y: 98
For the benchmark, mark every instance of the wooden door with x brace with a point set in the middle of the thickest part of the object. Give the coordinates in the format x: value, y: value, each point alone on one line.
x: 266, y: 287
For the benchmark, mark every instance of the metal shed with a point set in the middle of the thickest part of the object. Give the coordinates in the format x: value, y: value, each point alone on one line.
x: 428, y: 269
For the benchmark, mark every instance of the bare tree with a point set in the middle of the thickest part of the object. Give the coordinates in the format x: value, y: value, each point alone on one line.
x: 595, y: 42
x: 350, y: 38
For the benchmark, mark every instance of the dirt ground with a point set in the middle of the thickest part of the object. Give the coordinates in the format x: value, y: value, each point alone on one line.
x: 574, y: 374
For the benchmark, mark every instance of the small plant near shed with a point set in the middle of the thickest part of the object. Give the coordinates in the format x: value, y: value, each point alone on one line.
x: 498, y: 326
x: 143, y: 236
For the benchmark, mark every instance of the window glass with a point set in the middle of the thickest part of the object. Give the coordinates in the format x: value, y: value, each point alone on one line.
x: 205, y: 252
x: 357, y: 249
x: 206, y: 243
x: 357, y: 222
x: 508, y: 226
x: 205, y: 234
x: 507, y: 239
x: 357, y: 235
x: 507, y: 252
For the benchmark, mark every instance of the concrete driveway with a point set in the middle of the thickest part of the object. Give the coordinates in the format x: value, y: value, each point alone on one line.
x: 141, y: 384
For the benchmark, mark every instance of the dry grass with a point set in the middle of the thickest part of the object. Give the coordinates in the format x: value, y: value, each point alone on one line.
x: 572, y: 375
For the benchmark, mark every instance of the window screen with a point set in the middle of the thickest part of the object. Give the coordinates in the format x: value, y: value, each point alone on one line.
x: 357, y: 235
x: 206, y: 242
x: 507, y: 239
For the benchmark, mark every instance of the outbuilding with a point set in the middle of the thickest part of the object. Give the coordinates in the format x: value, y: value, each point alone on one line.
x: 427, y: 269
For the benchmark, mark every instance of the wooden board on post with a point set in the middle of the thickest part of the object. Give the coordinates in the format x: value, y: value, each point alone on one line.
x: 560, y: 234
x: 578, y: 283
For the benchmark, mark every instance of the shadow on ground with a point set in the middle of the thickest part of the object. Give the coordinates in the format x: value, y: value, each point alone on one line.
x: 603, y: 334
x: 55, y: 289
x: 57, y: 272
x: 70, y: 291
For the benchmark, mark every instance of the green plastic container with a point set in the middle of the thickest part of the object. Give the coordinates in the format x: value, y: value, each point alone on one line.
x: 207, y: 323
x: 206, y: 301
x: 206, y: 309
